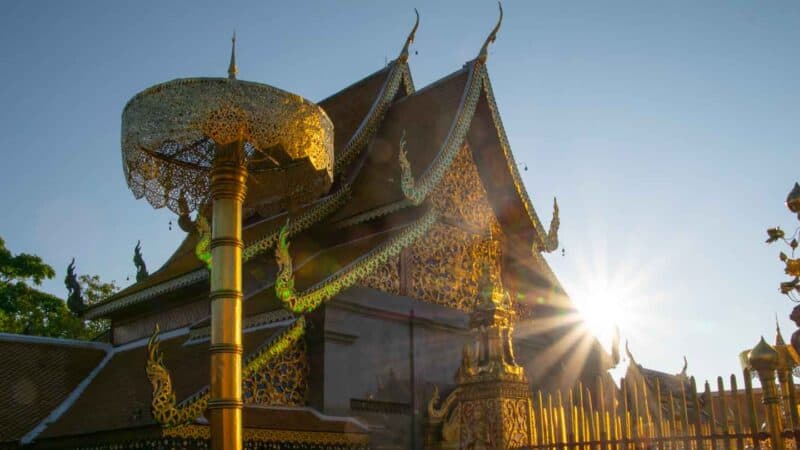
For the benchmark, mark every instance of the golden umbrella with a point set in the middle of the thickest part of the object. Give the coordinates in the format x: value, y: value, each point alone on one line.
x: 196, y: 144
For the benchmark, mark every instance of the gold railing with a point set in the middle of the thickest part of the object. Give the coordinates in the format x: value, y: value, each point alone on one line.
x: 643, y: 414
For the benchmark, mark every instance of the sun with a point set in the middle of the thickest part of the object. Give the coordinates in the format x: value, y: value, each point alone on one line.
x: 601, y: 307
x: 609, y: 300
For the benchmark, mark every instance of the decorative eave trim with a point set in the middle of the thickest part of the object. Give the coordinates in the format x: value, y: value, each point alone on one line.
x: 372, y: 213
x: 136, y: 297
x: 310, y: 298
x: 61, y: 342
x: 416, y: 191
x: 309, y: 217
x: 546, y: 241
x: 369, y: 125
x: 323, y: 438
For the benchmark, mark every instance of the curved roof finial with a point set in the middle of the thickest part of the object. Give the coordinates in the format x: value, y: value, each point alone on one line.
x: 404, y: 52
x: 778, y: 336
x: 685, y: 367
x: 484, y: 53
x: 232, y: 69
x: 631, y: 359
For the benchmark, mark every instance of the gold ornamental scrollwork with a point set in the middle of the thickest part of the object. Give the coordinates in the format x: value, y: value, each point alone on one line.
x: 446, y: 266
x: 283, y: 382
x: 202, y: 432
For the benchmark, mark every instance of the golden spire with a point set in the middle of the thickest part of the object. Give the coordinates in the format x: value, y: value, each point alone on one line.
x: 484, y: 53
x: 778, y: 336
x: 404, y: 52
x: 232, y: 69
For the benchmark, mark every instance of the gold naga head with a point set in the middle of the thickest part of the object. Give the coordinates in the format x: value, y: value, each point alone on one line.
x: 404, y: 52
x: 484, y: 53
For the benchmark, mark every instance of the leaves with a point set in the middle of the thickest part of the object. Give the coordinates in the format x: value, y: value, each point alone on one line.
x: 26, y: 310
x: 22, y: 267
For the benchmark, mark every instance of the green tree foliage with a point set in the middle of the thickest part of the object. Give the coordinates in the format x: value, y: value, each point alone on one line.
x: 27, y: 310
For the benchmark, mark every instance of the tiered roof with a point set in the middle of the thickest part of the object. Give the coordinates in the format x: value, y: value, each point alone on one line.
x: 368, y: 204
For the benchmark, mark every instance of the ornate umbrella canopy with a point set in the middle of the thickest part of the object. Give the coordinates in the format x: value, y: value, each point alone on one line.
x: 170, y: 133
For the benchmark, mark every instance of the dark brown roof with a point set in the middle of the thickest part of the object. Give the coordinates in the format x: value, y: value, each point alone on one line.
x: 37, y: 376
x: 426, y: 117
x: 119, y: 396
x: 348, y: 107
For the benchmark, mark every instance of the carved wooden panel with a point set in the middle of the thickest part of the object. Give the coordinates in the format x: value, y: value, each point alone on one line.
x: 444, y: 265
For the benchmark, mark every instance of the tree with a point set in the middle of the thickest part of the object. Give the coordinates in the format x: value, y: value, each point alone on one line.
x: 27, y: 310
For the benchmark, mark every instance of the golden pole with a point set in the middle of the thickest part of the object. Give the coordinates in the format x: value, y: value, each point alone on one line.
x: 764, y: 359
x: 228, y: 177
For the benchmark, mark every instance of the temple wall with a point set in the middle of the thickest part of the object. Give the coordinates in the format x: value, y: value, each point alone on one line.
x: 170, y: 319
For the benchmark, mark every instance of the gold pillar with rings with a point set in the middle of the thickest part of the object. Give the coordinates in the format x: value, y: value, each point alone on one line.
x: 227, y: 189
x: 764, y: 359
x: 191, y: 143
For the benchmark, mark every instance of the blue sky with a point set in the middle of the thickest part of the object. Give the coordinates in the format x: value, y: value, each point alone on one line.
x: 667, y: 130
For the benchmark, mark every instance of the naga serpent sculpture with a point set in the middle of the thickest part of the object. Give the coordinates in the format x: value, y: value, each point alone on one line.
x: 165, y: 408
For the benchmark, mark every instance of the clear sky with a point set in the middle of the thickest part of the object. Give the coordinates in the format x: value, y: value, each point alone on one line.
x: 667, y: 130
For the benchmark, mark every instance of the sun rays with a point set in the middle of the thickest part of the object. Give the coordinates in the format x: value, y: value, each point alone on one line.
x: 608, y: 296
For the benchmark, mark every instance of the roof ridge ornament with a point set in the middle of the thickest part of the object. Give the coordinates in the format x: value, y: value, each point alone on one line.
x: 631, y: 359
x: 138, y: 261
x: 778, y: 335
x: 404, y: 52
x: 484, y: 53
x: 232, y: 69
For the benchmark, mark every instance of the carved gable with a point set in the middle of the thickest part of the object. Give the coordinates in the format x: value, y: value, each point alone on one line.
x: 444, y: 265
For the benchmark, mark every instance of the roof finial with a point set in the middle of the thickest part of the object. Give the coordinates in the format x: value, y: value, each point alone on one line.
x: 778, y: 336
x: 404, y: 52
x: 484, y: 53
x: 631, y: 359
x: 232, y: 69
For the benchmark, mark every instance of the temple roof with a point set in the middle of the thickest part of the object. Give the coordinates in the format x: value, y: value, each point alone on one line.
x: 119, y: 395
x: 673, y: 388
x: 37, y: 383
x: 370, y: 117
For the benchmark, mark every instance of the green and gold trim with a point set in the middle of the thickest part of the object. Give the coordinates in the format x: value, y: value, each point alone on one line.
x: 398, y: 74
x: 311, y: 298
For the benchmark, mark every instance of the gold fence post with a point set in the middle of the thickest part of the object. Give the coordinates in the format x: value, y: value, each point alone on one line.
x: 793, y: 411
x: 724, y: 408
x: 738, y: 422
x: 764, y: 359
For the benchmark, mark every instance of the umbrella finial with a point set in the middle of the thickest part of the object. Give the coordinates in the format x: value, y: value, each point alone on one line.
x: 232, y: 69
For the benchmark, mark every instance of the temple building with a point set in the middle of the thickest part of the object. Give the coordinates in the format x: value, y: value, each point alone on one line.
x: 426, y: 202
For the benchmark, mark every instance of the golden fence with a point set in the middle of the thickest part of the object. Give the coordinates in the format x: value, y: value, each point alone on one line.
x: 644, y: 414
